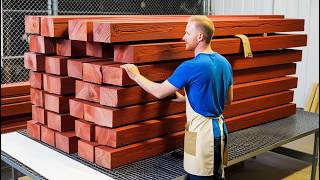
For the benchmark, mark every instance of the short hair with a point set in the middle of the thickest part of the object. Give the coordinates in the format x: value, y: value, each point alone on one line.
x: 205, y: 25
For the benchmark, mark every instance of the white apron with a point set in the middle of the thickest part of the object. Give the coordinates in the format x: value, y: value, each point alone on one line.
x: 199, y: 143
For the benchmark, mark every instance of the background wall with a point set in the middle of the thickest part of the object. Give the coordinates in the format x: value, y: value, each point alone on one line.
x: 308, y: 69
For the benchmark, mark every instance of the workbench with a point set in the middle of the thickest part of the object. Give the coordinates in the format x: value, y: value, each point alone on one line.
x: 41, y: 161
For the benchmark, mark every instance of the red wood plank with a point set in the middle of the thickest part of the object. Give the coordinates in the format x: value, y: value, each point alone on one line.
x: 70, y: 48
x: 67, y: 141
x: 92, y: 71
x: 142, y: 53
x: 260, y: 117
x: 99, y: 50
x: 48, y: 135
x: 15, y: 109
x: 113, y: 117
x: 14, y: 126
x: 110, y: 32
x: 15, y: 99
x: 86, y: 150
x: 60, y: 85
x: 34, y: 129
x: 39, y: 114
x: 15, y: 89
x: 32, y: 24
x: 257, y: 103
x: 112, y: 158
x: 60, y: 122
x: 37, y: 97
x: 76, y: 108
x: 43, y: 45
x: 75, y: 66
x: 56, y: 65
x: 87, y: 91
x: 35, y: 79
x: 56, y: 103
x: 263, y: 87
x: 34, y: 61
x: 85, y: 130
x: 117, y: 137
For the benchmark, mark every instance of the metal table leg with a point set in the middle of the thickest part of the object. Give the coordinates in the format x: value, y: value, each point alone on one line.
x: 315, y: 156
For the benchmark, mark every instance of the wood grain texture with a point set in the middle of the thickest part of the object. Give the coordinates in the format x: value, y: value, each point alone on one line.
x: 41, y: 44
x: 48, y: 135
x: 76, y: 108
x: 92, y: 71
x: 260, y: 117
x: 32, y: 24
x: 60, y: 85
x: 70, y: 48
x: 263, y: 87
x: 15, y: 89
x: 114, y: 117
x: 99, y: 50
x: 56, y: 103
x: 15, y: 99
x: 34, y: 129
x: 56, y: 65
x: 39, y: 114
x: 110, y: 32
x: 36, y: 80
x: 75, y: 66
x: 87, y: 91
x: 85, y: 130
x: 34, y: 61
x: 117, y: 137
x: 257, y: 103
x: 15, y: 108
x: 142, y: 53
x: 86, y: 150
x: 111, y: 158
x: 60, y: 122
x: 37, y: 97
x: 67, y: 141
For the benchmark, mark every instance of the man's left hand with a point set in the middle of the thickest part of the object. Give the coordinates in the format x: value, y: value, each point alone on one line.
x: 132, y: 70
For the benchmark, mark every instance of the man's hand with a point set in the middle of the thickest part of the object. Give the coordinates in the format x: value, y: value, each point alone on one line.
x: 132, y: 70
x: 179, y: 97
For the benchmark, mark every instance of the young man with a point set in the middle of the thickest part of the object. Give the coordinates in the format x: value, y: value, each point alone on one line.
x: 207, y: 79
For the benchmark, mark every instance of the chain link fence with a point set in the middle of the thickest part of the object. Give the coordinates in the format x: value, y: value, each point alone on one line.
x: 14, y: 44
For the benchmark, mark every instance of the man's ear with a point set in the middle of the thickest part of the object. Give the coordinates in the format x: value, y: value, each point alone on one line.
x: 200, y: 37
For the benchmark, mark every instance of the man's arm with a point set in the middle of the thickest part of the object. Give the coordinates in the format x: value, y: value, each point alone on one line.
x: 230, y: 95
x: 159, y: 90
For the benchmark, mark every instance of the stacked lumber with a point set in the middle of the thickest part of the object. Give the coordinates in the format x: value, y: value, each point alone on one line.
x: 112, y: 121
x: 15, y: 106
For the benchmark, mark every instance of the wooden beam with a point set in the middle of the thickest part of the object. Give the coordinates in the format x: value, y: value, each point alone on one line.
x: 67, y: 141
x: 260, y: 117
x: 37, y: 97
x: 60, y: 122
x: 48, y: 135
x: 111, y: 158
x: 56, y: 65
x: 60, y: 85
x: 14, y: 89
x: 99, y: 50
x: 142, y: 53
x: 114, y: 117
x: 34, y: 129
x: 76, y: 108
x: 117, y: 137
x: 56, y: 103
x: 75, y: 66
x: 16, y: 99
x: 85, y: 130
x: 92, y: 71
x: 41, y: 44
x: 87, y: 91
x: 39, y: 114
x: 34, y: 61
x: 86, y: 150
x: 36, y: 80
x: 70, y: 48
x: 32, y: 24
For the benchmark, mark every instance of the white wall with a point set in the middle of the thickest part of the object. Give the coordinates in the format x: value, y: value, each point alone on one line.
x: 308, y: 68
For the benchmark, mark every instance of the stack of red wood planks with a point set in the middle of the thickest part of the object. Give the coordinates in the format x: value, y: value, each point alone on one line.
x: 84, y: 102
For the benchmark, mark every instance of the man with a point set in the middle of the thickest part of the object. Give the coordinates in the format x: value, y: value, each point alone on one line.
x: 207, y: 79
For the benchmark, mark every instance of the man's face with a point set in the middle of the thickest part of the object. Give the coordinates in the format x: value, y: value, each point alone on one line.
x: 191, y: 36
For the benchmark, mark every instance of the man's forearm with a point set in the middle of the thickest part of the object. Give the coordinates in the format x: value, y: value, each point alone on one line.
x: 149, y: 86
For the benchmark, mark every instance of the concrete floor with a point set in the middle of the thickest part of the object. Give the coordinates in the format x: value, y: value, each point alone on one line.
x: 268, y: 166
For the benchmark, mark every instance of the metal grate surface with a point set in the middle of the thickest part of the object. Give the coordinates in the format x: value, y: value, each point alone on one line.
x: 241, y: 143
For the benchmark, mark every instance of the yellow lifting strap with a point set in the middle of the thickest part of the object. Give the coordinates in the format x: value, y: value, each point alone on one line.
x: 246, y: 45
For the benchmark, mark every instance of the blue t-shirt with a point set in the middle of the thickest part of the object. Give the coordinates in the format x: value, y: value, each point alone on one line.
x: 206, y: 79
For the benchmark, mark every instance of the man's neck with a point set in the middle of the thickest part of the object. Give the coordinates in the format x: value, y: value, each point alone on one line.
x: 205, y: 48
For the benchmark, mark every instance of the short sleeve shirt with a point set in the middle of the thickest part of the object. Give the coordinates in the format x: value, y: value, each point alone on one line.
x: 206, y: 79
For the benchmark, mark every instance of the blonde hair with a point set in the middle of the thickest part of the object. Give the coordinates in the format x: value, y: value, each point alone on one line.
x: 205, y: 25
